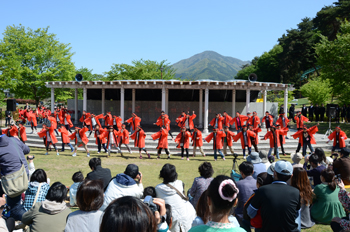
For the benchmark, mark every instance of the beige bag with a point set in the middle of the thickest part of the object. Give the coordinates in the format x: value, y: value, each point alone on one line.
x: 16, y: 183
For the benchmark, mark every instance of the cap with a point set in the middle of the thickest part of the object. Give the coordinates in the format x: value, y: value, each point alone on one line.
x: 284, y: 168
x: 296, y: 157
x: 271, y: 158
x: 254, y: 158
x: 263, y: 156
x: 132, y: 170
x: 271, y: 169
x: 345, y: 152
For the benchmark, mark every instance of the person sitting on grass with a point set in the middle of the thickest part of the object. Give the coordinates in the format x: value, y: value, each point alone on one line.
x: 99, y: 173
x: 326, y: 204
x: 259, y: 166
x: 341, y: 166
x: 316, y: 170
x: 77, y: 179
x: 339, y: 224
x: 128, y: 183
x: 89, y: 200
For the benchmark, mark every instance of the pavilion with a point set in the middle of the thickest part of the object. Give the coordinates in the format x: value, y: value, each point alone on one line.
x: 164, y: 86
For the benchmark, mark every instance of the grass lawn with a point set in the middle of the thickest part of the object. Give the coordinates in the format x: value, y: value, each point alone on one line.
x: 61, y: 168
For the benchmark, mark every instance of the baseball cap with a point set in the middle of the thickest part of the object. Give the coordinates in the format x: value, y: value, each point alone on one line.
x: 132, y: 170
x: 284, y: 168
x: 271, y: 169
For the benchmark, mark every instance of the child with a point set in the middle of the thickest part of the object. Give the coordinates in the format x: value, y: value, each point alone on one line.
x: 77, y: 179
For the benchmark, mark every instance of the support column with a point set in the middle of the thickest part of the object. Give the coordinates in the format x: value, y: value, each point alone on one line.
x: 163, y: 98
x: 76, y: 107
x: 233, y: 105
x: 206, y: 110
x: 264, y: 105
x: 166, y: 101
x: 200, y: 108
x: 52, y: 100
x: 286, y: 102
x: 133, y: 100
x: 247, y: 103
x: 122, y: 92
x: 103, y: 101
x: 84, y: 98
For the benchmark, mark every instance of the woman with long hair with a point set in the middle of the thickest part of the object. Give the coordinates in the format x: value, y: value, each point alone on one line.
x: 301, y: 182
x: 326, y: 203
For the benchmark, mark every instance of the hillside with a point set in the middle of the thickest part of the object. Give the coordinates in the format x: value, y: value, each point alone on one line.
x: 208, y: 65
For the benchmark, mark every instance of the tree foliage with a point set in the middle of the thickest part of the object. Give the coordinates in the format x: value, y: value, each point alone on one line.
x: 317, y: 90
x: 141, y: 70
x: 29, y: 58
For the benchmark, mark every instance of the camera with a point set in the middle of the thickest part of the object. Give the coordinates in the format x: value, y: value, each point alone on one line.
x: 338, y: 177
x: 149, y: 202
x: 235, y: 155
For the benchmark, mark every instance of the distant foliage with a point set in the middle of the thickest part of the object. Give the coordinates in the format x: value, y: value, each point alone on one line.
x: 317, y: 90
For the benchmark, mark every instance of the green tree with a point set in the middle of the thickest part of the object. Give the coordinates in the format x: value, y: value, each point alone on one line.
x: 141, y: 70
x: 29, y: 58
x: 88, y: 75
x: 268, y: 65
x: 334, y: 58
x: 244, y: 73
x: 317, y: 90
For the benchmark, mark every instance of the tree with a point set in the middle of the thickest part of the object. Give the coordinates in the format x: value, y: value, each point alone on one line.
x: 268, y: 65
x: 244, y: 73
x: 29, y: 58
x: 334, y: 58
x: 141, y: 70
x: 317, y: 90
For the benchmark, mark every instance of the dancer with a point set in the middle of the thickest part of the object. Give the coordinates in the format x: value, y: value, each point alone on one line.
x: 124, y: 138
x: 84, y: 117
x: 67, y: 122
x: 108, y: 118
x: 183, y: 141
x: 282, y: 136
x: 254, y: 120
x: 112, y: 137
x: 65, y: 138
x: 255, y: 139
x: 217, y: 137
x: 163, y: 121
x: 100, y: 142
x: 300, y: 119
x: 50, y: 138
x: 92, y: 121
x: 239, y: 121
x: 248, y: 118
x: 338, y: 136
x: 283, y: 121
x: 22, y: 133
x: 134, y: 122
x: 162, y: 135
x: 80, y: 139
x: 217, y: 121
x: 139, y: 141
x: 197, y: 141
x: 226, y: 119
x: 33, y: 121
x: 117, y: 123
x: 306, y: 138
x: 244, y: 136
x: 274, y: 136
x: 187, y: 121
x: 228, y: 140
x: 268, y: 119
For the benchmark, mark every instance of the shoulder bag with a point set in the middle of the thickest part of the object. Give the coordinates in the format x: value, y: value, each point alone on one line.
x: 178, y: 192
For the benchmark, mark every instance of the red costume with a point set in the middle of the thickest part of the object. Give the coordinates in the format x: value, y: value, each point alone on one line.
x: 139, y: 138
x: 219, y: 122
x: 23, y: 134
x: 182, y: 121
x: 311, y: 131
x: 134, y: 122
x: 106, y: 135
x: 241, y: 137
x: 226, y: 120
x: 217, y: 143
x: 341, y: 138
x: 43, y: 133
x: 270, y: 121
x: 239, y: 121
x: 162, y: 135
x: 64, y: 134
x: 280, y: 121
x: 100, y: 132
x: 254, y: 121
x: 82, y: 136
x: 163, y: 122
x: 269, y: 135
x: 300, y: 121
x: 229, y: 137
x: 183, y: 137
x: 84, y: 117
x: 198, y: 140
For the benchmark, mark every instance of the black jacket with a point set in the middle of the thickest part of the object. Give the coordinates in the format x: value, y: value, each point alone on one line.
x: 322, y: 110
x: 304, y: 111
x: 100, y: 173
x: 7, y: 112
x: 311, y: 110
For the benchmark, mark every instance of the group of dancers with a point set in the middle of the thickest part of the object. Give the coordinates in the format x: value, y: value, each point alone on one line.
x: 113, y: 134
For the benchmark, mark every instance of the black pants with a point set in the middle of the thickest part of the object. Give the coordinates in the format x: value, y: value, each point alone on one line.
x: 322, y: 117
x: 298, y: 148
x: 281, y: 142
x: 336, y: 226
x: 160, y: 151
x: 140, y: 149
x: 93, y: 128
x: 32, y: 125
x: 291, y: 116
x: 254, y: 144
x: 7, y: 121
x: 99, y: 144
x: 182, y: 152
x: 115, y: 127
x: 170, y: 134
x: 48, y: 145
x: 68, y: 128
x: 10, y: 223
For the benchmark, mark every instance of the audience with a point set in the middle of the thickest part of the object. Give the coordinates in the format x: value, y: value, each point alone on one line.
x: 342, y: 166
x: 264, y: 158
x: 172, y: 191
x: 128, y: 183
x: 316, y: 170
x: 37, y: 189
x: 200, y: 184
x: 51, y: 214
x: 296, y: 158
x: 279, y: 202
x: 77, y: 179
x: 259, y: 167
x: 222, y: 196
x: 326, y: 204
x: 302, y: 183
x: 89, y: 200
x: 149, y: 191
x: 99, y: 173
x: 342, y: 224
x: 246, y: 187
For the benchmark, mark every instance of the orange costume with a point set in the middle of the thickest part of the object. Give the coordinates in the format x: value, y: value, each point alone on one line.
x: 134, y: 122
x: 162, y: 135
x: 139, y: 138
x: 84, y: 117
x: 283, y: 121
x: 311, y: 131
x: 239, y: 121
x: 240, y: 136
x: 163, y: 122
x: 64, y: 134
x: 340, y: 137
x: 254, y: 121
x: 184, y: 121
x: 89, y: 121
x: 300, y: 121
x: 217, y: 139
x: 217, y: 121
x: 82, y: 136
x: 183, y: 139
x: 22, y: 133
x: 226, y: 120
x: 268, y: 120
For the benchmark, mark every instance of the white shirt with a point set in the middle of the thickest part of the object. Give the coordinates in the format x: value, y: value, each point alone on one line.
x: 111, y: 138
x: 93, y: 121
x: 78, y: 138
x: 48, y: 137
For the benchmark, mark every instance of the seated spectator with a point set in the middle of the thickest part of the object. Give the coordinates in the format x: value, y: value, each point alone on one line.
x: 259, y: 167
x: 316, y: 170
x: 171, y: 190
x: 149, y: 191
x: 326, y: 204
x: 200, y: 184
x: 263, y: 179
x: 128, y: 183
x: 38, y: 183
x: 169, y: 216
x: 6, y: 224
x: 89, y: 200
x: 321, y: 156
x: 77, y: 179
x: 51, y: 214
x: 222, y: 196
x: 342, y: 224
x: 296, y: 158
x: 264, y: 158
x: 278, y: 212
x: 271, y: 169
x: 342, y: 166
x: 131, y: 214
x: 246, y: 187
x: 301, y: 182
x: 99, y: 173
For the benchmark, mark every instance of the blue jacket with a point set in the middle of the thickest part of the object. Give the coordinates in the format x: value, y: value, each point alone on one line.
x: 125, y: 180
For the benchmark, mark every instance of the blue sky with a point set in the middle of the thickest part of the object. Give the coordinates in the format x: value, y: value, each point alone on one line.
x: 105, y: 32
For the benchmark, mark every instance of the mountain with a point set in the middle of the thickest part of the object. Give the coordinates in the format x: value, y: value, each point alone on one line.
x: 208, y: 65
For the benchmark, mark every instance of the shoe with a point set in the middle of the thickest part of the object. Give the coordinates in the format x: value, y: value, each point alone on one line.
x: 223, y: 159
x: 98, y: 152
x: 140, y: 157
x: 74, y: 154
x: 244, y: 157
x: 88, y: 155
x: 149, y: 156
x: 204, y: 155
x: 188, y: 159
x: 287, y: 138
x: 57, y: 153
x: 214, y: 159
x: 72, y: 150
x: 46, y: 153
x: 158, y: 157
x: 182, y: 158
x: 168, y: 157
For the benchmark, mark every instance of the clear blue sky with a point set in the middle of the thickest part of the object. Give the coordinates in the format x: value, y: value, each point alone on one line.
x: 105, y: 32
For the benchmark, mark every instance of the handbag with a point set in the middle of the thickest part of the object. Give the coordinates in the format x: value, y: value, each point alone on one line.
x: 178, y: 192
x: 16, y: 183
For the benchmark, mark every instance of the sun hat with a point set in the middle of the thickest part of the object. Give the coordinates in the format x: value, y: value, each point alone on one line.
x: 254, y: 158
